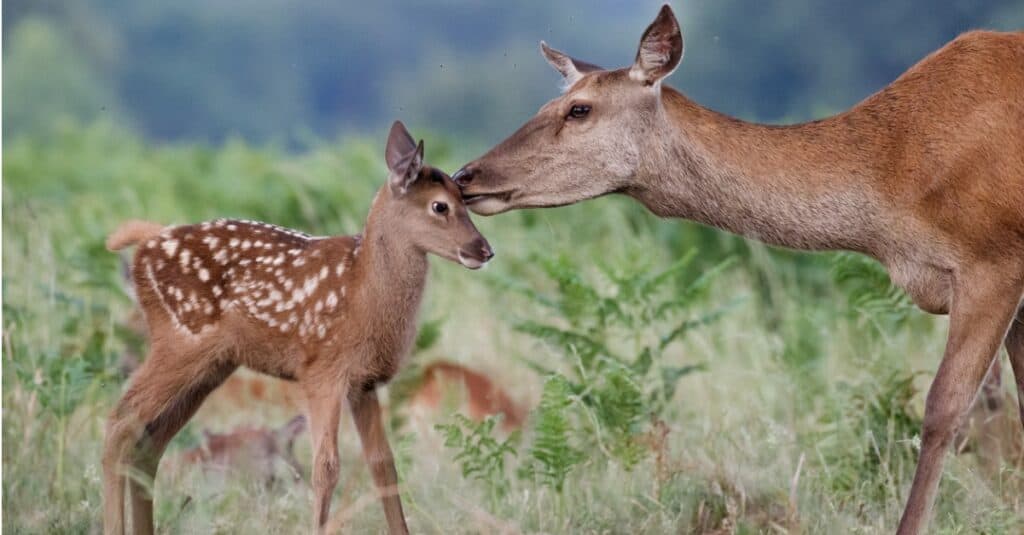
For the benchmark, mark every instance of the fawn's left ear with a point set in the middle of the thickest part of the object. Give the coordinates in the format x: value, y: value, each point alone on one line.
x: 404, y: 158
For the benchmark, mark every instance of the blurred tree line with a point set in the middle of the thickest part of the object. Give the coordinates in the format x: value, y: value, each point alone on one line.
x: 283, y: 70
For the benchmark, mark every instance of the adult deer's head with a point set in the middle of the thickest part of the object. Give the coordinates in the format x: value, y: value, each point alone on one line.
x: 585, y: 143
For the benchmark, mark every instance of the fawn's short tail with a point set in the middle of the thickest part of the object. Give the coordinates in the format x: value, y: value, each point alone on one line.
x: 132, y: 232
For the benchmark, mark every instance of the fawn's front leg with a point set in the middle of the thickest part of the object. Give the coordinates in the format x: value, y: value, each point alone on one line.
x: 324, y: 414
x: 367, y: 415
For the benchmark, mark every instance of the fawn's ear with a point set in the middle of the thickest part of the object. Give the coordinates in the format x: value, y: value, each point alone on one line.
x: 403, y: 156
x: 661, y: 49
x: 571, y: 68
x: 294, y: 427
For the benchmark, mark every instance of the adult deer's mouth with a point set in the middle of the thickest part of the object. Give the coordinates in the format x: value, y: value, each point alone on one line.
x: 488, y: 203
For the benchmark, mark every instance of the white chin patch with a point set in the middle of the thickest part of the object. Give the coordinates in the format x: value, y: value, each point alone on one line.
x: 489, y: 206
x: 469, y: 262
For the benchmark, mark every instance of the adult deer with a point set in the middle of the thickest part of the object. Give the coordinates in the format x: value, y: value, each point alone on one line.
x: 335, y: 314
x: 927, y: 176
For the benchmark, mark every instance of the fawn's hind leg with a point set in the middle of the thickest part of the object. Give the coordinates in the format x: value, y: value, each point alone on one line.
x: 163, y: 396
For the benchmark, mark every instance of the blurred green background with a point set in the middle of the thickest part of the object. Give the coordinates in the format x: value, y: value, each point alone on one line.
x: 789, y: 386
x: 285, y: 69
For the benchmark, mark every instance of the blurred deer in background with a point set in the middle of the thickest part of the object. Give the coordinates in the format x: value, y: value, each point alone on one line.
x: 253, y: 450
x: 334, y: 314
x: 926, y: 176
x: 483, y: 397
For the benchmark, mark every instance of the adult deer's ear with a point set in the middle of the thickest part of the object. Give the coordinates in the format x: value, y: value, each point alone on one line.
x: 661, y: 49
x: 404, y: 158
x: 571, y: 68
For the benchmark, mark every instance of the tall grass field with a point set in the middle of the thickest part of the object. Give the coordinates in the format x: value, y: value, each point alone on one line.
x: 678, y: 379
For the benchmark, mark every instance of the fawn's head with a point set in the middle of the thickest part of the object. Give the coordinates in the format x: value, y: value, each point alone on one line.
x: 424, y: 204
x: 585, y: 143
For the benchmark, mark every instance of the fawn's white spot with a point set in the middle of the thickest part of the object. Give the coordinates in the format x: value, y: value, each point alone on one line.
x: 332, y: 300
x: 323, y: 273
x: 183, y: 257
x: 169, y: 247
x: 233, y: 242
x: 204, y: 275
x: 221, y: 256
x: 246, y: 244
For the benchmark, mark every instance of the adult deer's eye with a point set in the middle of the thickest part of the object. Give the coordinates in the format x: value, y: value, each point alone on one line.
x: 439, y: 208
x: 579, y: 111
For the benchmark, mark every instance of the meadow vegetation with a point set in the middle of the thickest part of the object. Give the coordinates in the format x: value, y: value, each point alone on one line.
x: 679, y: 379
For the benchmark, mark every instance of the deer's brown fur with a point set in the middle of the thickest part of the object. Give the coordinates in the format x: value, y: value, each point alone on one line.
x: 335, y: 314
x: 927, y: 176
x: 483, y: 396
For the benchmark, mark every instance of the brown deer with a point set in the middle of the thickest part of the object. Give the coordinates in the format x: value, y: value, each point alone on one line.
x: 335, y: 314
x: 250, y: 449
x: 927, y: 176
x: 483, y: 396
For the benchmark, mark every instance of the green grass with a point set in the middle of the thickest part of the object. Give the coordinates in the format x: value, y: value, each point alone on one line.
x: 803, y: 363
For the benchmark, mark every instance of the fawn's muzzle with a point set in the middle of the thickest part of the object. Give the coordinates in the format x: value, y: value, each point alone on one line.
x: 476, y: 254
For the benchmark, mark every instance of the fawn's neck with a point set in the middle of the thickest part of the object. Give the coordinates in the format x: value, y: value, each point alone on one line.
x: 390, y: 272
x: 805, y: 186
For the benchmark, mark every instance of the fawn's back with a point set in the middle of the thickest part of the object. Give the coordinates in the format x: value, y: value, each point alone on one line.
x: 282, y: 280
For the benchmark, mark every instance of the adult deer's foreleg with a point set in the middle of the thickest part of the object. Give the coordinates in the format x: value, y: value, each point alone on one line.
x: 367, y: 415
x: 984, y: 303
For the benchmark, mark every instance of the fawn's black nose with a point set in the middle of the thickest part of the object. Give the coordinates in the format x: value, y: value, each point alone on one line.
x: 463, y: 176
x: 486, y: 252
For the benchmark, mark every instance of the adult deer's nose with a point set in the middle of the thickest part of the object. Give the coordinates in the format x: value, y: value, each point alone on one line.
x: 464, y: 176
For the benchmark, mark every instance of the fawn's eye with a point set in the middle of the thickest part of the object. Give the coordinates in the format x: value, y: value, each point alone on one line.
x: 439, y: 208
x: 579, y: 111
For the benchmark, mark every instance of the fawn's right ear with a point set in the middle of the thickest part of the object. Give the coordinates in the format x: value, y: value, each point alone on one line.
x: 404, y: 158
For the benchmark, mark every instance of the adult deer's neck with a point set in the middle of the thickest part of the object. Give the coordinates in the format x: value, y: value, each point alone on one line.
x: 809, y: 186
